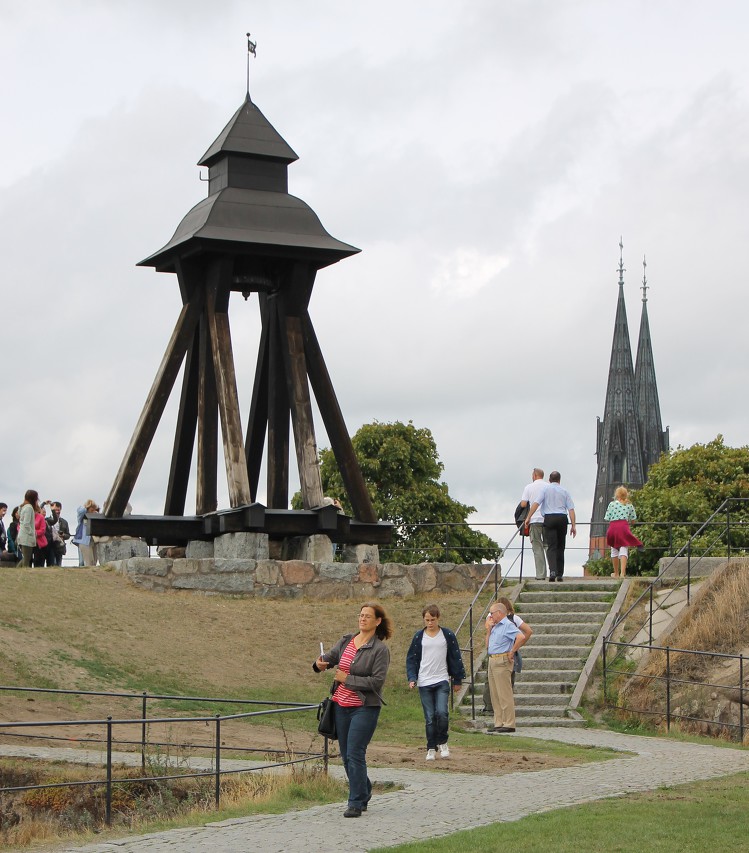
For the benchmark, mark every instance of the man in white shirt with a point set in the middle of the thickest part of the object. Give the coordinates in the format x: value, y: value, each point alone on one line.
x: 532, y: 494
x: 555, y: 505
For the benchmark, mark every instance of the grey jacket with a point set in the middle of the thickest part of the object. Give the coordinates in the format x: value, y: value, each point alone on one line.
x: 368, y: 669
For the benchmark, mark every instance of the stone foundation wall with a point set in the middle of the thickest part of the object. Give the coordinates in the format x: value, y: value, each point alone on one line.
x: 299, y: 579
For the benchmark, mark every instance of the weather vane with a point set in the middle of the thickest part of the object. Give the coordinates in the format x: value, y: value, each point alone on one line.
x: 621, y: 261
x: 644, y: 287
x: 251, y: 49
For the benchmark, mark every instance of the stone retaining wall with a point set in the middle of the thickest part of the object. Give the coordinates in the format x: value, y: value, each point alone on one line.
x: 299, y: 579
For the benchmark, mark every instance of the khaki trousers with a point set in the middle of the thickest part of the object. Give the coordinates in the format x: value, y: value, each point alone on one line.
x: 500, y: 689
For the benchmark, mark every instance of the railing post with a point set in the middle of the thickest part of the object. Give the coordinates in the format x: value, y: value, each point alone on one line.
x: 605, y: 676
x: 741, y: 697
x: 143, y: 733
x: 650, y: 620
x: 326, y: 755
x: 218, y: 760
x: 496, y: 578
x: 670, y: 539
x: 447, y: 541
x: 668, y: 688
x: 108, y: 796
x: 689, y: 570
x: 728, y: 531
x: 522, y: 552
x: 473, y: 674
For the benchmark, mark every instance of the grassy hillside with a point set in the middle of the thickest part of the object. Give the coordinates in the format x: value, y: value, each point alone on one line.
x: 90, y: 629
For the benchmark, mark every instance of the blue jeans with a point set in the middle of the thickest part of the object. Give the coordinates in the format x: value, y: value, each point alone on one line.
x: 434, y: 700
x: 355, y: 728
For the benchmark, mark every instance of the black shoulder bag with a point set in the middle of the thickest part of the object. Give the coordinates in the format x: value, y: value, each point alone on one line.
x: 326, y: 716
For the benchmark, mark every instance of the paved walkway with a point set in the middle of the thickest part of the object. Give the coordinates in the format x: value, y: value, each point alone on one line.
x: 433, y: 804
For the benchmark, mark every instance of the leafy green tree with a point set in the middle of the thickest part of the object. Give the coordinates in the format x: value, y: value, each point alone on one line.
x: 685, y: 487
x: 401, y: 467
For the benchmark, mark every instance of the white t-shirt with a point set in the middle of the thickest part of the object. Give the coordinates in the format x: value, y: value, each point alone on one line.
x: 433, y: 668
x: 533, y: 493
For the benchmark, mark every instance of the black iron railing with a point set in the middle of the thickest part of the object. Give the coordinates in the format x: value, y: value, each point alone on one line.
x: 215, y: 747
x: 712, y: 537
x: 618, y: 681
x: 471, y: 631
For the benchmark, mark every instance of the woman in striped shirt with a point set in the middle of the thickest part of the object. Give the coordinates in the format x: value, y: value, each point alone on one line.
x: 363, y: 660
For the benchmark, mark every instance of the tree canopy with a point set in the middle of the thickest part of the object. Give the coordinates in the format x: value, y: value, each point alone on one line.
x: 685, y: 487
x: 401, y: 467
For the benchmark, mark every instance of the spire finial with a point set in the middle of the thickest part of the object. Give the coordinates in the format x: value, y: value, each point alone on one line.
x: 644, y: 280
x: 251, y: 49
x: 621, y: 263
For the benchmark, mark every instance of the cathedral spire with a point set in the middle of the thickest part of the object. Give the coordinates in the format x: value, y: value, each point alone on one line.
x: 653, y: 438
x: 618, y: 447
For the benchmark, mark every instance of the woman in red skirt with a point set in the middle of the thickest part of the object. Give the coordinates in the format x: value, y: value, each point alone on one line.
x: 619, y: 537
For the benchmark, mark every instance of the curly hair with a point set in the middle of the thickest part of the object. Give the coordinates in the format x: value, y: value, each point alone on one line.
x: 384, y: 630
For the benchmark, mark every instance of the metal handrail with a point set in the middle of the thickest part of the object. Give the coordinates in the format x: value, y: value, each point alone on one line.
x: 216, y: 747
x: 670, y: 680
x: 494, y: 574
x: 447, y: 544
x: 660, y: 580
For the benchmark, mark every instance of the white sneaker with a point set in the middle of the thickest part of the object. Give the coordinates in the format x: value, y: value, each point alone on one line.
x: 444, y: 750
x: 431, y: 755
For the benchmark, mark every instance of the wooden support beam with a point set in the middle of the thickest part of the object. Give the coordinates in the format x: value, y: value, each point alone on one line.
x: 257, y: 422
x: 188, y: 277
x: 278, y: 414
x: 206, y: 488
x: 184, y: 435
x: 340, y: 441
x: 153, y: 409
x: 218, y: 289
x: 301, y: 414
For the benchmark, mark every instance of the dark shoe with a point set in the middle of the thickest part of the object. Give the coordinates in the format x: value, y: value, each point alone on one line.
x: 364, y: 807
x: 503, y: 729
x: 352, y: 812
x: 559, y: 579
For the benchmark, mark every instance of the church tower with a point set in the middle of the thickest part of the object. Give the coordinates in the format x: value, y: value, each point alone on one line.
x: 653, y: 438
x: 629, y: 438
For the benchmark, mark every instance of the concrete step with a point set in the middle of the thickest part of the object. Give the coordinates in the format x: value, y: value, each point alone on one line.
x: 553, y: 665
x: 552, y: 687
x: 547, y: 700
x: 532, y: 608
x: 563, y: 595
x: 564, y: 722
x: 579, y: 620
x: 558, y: 688
x: 543, y: 626
x: 542, y: 640
x: 534, y: 652
x: 538, y: 711
x: 540, y: 676
x: 576, y: 585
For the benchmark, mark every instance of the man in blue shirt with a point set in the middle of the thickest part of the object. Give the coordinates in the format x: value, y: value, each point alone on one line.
x: 503, y: 639
x: 555, y: 503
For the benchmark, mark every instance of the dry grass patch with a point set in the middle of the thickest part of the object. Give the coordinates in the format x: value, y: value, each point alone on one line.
x: 57, y: 813
x: 717, y: 622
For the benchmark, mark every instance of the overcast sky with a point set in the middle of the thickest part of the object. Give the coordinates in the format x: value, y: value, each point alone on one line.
x: 486, y: 156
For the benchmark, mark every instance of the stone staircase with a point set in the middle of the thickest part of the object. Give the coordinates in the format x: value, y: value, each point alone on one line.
x: 566, y: 619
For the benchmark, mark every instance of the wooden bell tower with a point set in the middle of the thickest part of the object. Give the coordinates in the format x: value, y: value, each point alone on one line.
x: 249, y: 236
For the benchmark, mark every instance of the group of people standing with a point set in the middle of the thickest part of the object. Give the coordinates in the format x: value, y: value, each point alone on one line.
x: 33, y: 538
